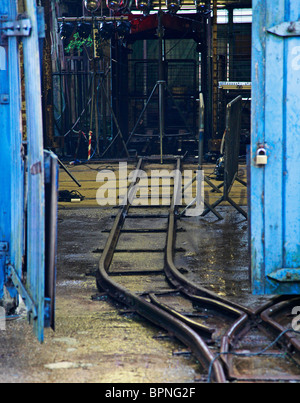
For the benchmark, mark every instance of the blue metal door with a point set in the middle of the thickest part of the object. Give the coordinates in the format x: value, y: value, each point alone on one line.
x: 24, y: 270
x: 275, y: 150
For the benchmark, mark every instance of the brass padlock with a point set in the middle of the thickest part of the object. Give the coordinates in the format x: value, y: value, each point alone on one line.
x: 261, y: 156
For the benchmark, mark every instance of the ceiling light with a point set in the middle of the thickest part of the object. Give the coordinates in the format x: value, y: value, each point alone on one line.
x: 92, y: 5
x: 202, y: 8
x: 114, y: 5
x: 144, y: 6
x: 107, y: 30
x: 66, y: 30
x: 173, y: 5
x: 123, y: 28
x: 84, y: 30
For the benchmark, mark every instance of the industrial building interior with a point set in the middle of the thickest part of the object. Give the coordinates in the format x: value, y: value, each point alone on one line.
x: 195, y: 57
x: 150, y: 293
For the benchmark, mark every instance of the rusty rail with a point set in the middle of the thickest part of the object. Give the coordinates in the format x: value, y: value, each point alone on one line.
x: 186, y: 330
x: 146, y: 309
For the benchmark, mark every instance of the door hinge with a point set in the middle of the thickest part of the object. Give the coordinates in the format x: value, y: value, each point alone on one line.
x: 20, y: 27
x: 286, y: 275
x: 22, y: 290
x: 286, y: 29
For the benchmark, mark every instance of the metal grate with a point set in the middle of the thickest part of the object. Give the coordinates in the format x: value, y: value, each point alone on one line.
x: 182, y: 77
x: 234, y: 64
x: 145, y: 76
x: 182, y: 83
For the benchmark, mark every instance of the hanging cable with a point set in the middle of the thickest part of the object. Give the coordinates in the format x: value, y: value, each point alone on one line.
x: 247, y: 354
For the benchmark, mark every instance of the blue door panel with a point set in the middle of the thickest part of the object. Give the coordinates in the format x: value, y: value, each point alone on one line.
x: 5, y: 159
x: 275, y: 188
x: 22, y: 211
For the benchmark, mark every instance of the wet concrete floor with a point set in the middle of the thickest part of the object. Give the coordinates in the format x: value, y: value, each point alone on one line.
x: 96, y: 340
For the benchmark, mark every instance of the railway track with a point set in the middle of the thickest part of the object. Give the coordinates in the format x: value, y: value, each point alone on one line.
x: 233, y: 343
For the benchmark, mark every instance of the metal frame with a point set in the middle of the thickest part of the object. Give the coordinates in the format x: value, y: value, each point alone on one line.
x: 11, y: 218
x: 22, y: 181
x: 232, y: 146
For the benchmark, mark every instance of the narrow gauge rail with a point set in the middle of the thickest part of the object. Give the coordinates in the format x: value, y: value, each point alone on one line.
x: 232, y: 342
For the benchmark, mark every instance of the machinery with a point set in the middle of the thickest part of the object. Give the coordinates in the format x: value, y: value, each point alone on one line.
x: 154, y: 89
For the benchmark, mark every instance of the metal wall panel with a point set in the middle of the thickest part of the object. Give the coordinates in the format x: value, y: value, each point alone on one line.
x: 5, y: 160
x: 22, y: 208
x: 275, y: 187
x: 36, y: 194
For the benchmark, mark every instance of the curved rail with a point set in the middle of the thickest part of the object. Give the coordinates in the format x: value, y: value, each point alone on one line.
x: 148, y: 310
x: 184, y: 329
x: 266, y: 316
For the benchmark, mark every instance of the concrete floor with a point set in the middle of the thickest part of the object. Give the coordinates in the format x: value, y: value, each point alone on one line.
x: 94, y: 341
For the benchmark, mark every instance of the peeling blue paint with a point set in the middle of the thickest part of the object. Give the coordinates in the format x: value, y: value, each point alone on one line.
x: 12, y: 170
